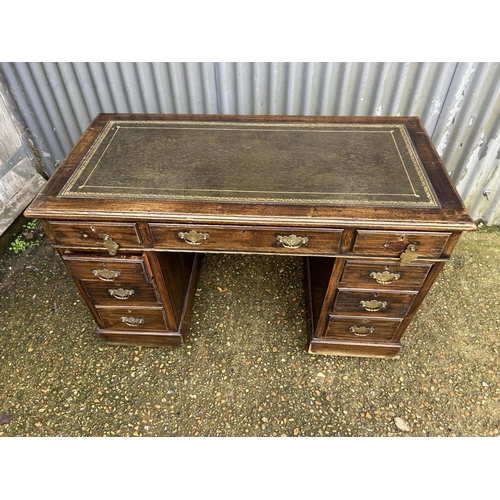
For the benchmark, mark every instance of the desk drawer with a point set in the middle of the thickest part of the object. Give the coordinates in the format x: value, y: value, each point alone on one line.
x: 380, y: 275
x: 241, y: 239
x: 362, y: 329
x: 101, y: 268
x: 120, y: 293
x: 386, y: 304
x: 394, y: 243
x: 105, y: 236
x: 133, y: 319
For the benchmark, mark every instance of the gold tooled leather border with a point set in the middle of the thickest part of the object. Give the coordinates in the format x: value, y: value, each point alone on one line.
x: 432, y: 202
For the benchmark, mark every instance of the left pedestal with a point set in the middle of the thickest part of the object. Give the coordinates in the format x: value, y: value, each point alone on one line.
x: 137, y: 299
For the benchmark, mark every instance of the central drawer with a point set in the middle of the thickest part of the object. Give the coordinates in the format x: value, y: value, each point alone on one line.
x: 241, y: 239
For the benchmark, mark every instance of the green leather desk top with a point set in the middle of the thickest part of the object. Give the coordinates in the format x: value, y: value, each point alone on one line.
x: 286, y: 163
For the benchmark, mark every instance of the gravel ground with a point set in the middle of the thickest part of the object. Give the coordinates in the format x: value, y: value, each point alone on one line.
x: 245, y: 370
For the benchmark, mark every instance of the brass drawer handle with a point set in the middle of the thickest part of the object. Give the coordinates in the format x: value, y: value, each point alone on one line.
x: 373, y: 305
x: 362, y: 331
x: 385, y: 278
x: 292, y: 241
x: 409, y: 255
x: 106, y: 274
x: 131, y: 321
x: 120, y: 293
x: 193, y: 237
x: 110, y: 245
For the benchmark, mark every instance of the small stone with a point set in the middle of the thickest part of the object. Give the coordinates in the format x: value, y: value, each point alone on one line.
x: 4, y: 418
x: 402, y: 424
x: 320, y: 374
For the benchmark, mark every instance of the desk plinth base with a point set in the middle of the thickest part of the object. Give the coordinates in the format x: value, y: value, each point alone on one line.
x: 363, y: 350
x: 149, y: 339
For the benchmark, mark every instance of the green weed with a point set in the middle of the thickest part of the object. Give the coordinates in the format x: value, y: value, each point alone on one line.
x: 31, y: 236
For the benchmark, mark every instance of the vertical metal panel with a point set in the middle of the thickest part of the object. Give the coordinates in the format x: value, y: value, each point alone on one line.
x: 457, y: 102
x: 10, y: 142
x: 55, y: 104
x: 179, y: 88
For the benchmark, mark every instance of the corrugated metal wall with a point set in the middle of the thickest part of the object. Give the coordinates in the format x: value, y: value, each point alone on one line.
x: 468, y: 137
x: 459, y: 103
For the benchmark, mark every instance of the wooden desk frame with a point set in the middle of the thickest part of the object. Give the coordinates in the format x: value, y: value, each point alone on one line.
x: 132, y: 233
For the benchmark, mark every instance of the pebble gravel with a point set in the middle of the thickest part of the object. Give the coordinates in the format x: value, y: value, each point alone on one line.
x: 245, y: 370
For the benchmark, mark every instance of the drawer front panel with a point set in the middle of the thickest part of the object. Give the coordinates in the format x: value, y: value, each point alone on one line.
x: 133, y: 319
x: 241, y: 239
x: 372, y: 304
x: 96, y: 235
x: 393, y: 243
x: 121, y: 293
x: 100, y: 268
x: 380, y: 275
x: 362, y: 329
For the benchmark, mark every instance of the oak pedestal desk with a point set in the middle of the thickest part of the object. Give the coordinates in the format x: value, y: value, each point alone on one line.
x: 365, y: 200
